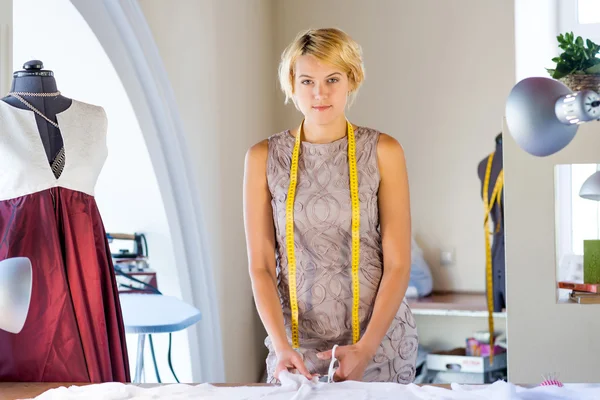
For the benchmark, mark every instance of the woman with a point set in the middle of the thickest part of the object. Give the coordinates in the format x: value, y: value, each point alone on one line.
x: 327, y: 220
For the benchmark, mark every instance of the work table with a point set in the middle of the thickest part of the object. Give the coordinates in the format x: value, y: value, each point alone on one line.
x: 23, y: 390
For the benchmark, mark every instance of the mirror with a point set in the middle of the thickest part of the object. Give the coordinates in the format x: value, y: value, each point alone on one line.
x: 577, y: 221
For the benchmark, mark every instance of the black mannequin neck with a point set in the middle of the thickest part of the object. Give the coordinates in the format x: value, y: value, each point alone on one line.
x: 50, y: 106
x: 34, y: 84
x: 499, y: 139
x: 35, y: 79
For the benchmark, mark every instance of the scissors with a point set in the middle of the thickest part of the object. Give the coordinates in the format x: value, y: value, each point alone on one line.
x: 333, y: 365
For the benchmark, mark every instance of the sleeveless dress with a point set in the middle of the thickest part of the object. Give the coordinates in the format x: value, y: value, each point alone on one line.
x: 74, y: 329
x: 323, y: 218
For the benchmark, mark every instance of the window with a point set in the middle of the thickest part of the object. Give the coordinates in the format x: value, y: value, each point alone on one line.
x: 588, y: 11
x: 582, y: 17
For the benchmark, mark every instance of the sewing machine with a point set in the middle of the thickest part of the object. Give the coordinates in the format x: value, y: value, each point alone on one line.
x: 129, y: 254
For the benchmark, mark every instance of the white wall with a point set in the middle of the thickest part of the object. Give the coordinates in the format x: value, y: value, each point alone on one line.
x: 227, y: 101
x: 127, y: 192
x: 437, y: 76
x: 446, y: 205
x: 220, y: 61
x: 544, y: 336
x: 221, y: 58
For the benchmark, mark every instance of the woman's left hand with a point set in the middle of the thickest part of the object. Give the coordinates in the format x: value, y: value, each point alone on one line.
x: 353, y: 361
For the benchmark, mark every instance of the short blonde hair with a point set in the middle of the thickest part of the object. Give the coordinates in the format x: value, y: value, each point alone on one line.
x: 330, y: 45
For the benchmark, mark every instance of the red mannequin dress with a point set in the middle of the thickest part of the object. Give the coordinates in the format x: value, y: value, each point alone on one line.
x: 74, y: 330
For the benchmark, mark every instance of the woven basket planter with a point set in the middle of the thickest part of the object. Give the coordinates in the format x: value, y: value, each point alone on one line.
x: 578, y: 82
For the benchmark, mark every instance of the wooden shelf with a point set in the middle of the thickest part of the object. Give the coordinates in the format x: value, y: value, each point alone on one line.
x: 453, y: 304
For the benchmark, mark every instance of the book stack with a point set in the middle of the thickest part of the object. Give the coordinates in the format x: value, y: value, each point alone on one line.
x: 582, y: 293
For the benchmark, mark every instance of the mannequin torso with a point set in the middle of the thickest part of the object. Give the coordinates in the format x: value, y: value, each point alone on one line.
x: 496, y: 225
x: 496, y: 168
x: 74, y: 329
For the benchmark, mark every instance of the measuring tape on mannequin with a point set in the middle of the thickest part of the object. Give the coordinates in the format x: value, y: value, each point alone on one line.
x: 289, y: 234
x: 488, y: 204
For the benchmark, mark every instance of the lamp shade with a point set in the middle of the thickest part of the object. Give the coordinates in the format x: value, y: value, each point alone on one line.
x: 591, y: 187
x: 532, y: 119
x: 15, y: 293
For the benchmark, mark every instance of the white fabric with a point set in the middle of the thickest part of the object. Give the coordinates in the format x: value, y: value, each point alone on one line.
x: 24, y: 167
x: 297, y: 387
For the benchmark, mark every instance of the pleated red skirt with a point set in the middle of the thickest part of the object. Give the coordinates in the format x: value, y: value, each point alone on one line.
x: 74, y: 330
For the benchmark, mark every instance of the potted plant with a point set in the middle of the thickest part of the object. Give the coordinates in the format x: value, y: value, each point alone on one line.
x: 578, y: 66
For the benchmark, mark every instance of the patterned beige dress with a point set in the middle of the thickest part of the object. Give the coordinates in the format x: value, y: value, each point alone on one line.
x: 323, y: 254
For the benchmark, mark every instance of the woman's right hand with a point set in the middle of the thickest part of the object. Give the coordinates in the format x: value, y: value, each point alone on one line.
x: 289, y: 359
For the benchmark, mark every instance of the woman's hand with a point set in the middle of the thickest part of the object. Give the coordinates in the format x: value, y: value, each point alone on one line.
x: 289, y: 359
x: 353, y: 361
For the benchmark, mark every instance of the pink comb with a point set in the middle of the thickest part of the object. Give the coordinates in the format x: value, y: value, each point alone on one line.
x: 551, y: 380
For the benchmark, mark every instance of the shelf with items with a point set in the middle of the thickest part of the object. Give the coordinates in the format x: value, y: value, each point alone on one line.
x: 456, y: 304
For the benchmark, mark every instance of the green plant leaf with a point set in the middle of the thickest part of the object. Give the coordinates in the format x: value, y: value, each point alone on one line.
x: 575, y: 58
x: 562, y: 70
x: 593, y: 69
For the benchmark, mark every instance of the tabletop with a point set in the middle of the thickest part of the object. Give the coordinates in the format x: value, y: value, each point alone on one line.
x: 155, y: 313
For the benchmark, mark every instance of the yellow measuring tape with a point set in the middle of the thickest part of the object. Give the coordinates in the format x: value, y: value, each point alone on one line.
x: 488, y: 204
x: 289, y: 234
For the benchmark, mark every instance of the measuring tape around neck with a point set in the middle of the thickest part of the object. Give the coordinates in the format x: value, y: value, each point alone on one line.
x: 289, y: 234
x: 488, y: 204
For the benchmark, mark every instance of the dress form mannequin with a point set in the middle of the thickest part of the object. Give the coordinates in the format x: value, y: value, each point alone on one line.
x: 74, y: 330
x: 34, y: 79
x: 497, y: 226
